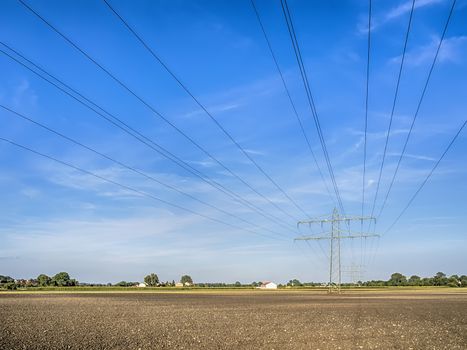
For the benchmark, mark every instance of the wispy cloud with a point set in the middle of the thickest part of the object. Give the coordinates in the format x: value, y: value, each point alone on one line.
x: 24, y: 95
x: 217, y: 109
x: 377, y: 134
x: 204, y: 163
x: 30, y: 192
x: 405, y: 8
x: 393, y: 14
x: 234, y: 97
x: 124, y: 245
x: 413, y: 156
x: 451, y: 50
x: 80, y: 181
x: 255, y: 152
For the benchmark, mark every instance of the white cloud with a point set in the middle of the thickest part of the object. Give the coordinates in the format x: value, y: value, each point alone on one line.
x: 216, y: 109
x: 255, y: 152
x: 75, y: 179
x: 451, y: 50
x: 204, y: 163
x: 232, y: 98
x: 30, y: 192
x: 406, y: 7
x: 126, y: 247
x: 393, y: 14
x: 377, y: 135
x: 413, y: 156
x: 24, y: 95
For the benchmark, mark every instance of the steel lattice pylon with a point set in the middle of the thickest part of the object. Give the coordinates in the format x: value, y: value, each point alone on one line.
x: 335, y: 236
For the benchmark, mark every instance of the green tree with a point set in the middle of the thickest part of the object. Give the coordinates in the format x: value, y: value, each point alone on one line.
x: 238, y: 284
x: 440, y: 279
x: 6, y: 279
x: 186, y: 280
x: 151, y: 280
x: 463, y: 281
x: 397, y: 279
x: 10, y: 285
x: 62, y: 279
x: 427, y: 281
x: 43, y: 280
x: 296, y: 283
x: 454, y: 281
x: 415, y: 280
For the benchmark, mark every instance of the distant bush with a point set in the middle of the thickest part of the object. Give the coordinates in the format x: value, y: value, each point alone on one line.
x: 125, y: 284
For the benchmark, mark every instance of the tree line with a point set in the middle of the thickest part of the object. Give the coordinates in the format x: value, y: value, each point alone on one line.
x: 439, y: 279
x: 152, y: 280
x: 63, y: 279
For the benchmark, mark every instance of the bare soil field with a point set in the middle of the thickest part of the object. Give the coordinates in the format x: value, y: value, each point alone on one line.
x: 245, y: 320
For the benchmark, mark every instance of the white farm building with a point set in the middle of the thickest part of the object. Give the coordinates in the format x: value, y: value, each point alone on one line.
x: 267, y: 285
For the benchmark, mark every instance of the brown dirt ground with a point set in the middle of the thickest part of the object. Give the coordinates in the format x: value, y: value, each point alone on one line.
x: 248, y: 320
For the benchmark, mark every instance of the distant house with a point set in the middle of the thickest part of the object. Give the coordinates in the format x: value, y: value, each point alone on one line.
x: 142, y: 285
x: 21, y: 282
x: 267, y: 285
x: 186, y: 284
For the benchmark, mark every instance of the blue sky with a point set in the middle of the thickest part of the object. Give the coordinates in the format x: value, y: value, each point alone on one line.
x: 55, y: 218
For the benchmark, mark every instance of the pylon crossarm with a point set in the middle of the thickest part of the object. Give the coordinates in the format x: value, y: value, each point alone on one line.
x: 356, y: 218
x: 358, y: 234
x: 305, y: 238
x: 317, y: 221
x: 340, y: 219
x: 311, y: 238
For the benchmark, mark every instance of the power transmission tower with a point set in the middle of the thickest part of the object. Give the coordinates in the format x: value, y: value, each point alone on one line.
x: 335, y: 236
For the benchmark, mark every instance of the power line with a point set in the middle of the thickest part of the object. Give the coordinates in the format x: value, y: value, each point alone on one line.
x: 366, y: 104
x: 418, y: 108
x: 427, y: 177
x: 120, y: 124
x: 115, y: 121
x: 276, y: 63
x: 290, y: 98
x: 317, y: 241
x: 309, y: 95
x: 305, y: 80
x: 132, y: 169
x: 366, y: 125
x: 311, y: 103
x: 216, y: 122
x: 154, y: 111
x: 393, y: 108
x: 129, y: 188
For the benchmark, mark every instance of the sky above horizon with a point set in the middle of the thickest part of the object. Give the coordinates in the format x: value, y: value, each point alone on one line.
x: 55, y: 218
